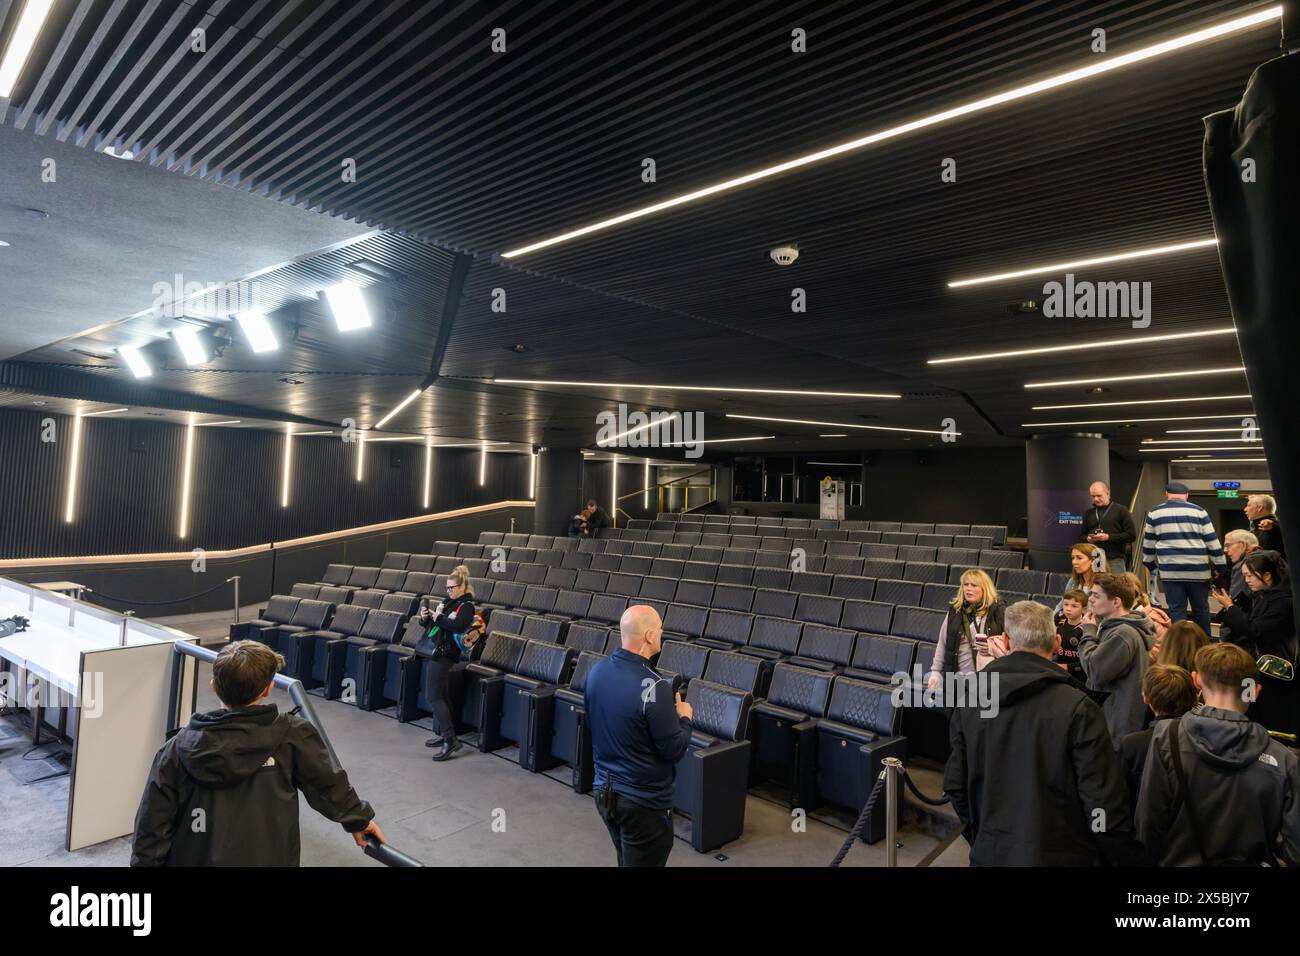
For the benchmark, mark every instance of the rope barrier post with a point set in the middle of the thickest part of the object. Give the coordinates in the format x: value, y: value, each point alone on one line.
x: 893, y: 793
x: 236, y: 580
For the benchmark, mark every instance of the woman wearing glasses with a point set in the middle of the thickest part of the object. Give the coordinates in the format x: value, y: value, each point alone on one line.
x: 446, y: 626
x: 1268, y: 632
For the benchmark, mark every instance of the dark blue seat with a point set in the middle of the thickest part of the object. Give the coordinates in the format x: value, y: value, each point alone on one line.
x: 311, y: 648
x: 483, y: 682
x: 877, y: 658
x: 570, y: 735
x: 785, y: 744
x: 279, y: 610
x: 679, y: 659
x: 344, y: 668
x: 824, y: 648
x: 713, y: 776
x: 525, y: 713
x: 859, y: 730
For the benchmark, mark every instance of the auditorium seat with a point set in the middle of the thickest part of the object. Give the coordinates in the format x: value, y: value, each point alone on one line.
x: 918, y: 623
x: 726, y: 630
x: 713, y: 539
x: 659, y: 589
x: 777, y: 578
x: 773, y: 602
x: 540, y: 541
x: 712, y: 778
x: 952, y: 529
x: 309, y: 591
x: 382, y: 667
x: 878, y: 658
x: 784, y: 730
x: 1058, y: 582
x: 1001, y: 559
x: 445, y: 564
x: 679, y: 659
x: 335, y: 596
x: 466, y: 551
x: 577, y: 560
x: 1046, y: 600
x: 530, y: 574
x: 865, y: 536
x: 395, y: 560
x: 965, y: 557
x: 1019, y: 579
x: 592, y: 580
x: 505, y: 594
x: 591, y: 637
x: 563, y: 578
x: 445, y: 549
x: 700, y: 570
x: 859, y: 730
x: 933, y: 541
x: 686, y: 537
x: 772, y: 638
x: 539, y: 627
x: 880, y: 552
x: 706, y: 553
x: 996, y: 532
x: 624, y: 585
x: 310, y: 648
x: 336, y: 575
x: 898, y: 592
x: 841, y: 565
x: 819, y: 609
x: 809, y: 546
x: 605, y: 562
x: 421, y: 583
x: 925, y: 572
x: 685, y: 622
x: 666, y: 567
x: 524, y: 714
x: 824, y: 648
x: 844, y: 549
x: 698, y: 593
x: 937, y: 596
x: 733, y: 597
x: 898, y: 537
x: 873, y: 617
x: 490, y: 537
x: 390, y: 579
x: 910, y: 553
x: 368, y: 597
x: 853, y: 587
x: 515, y: 540
x: 307, y: 616
x: 420, y: 562
x: 517, y: 555
x: 811, y: 582
x: 647, y: 549
x: 343, y: 656
x: 402, y: 604
x: 977, y: 542
x: 483, y: 681
x: 279, y: 610
x: 1011, y: 597
x: 914, y: 527
x: 883, y: 568
x: 570, y: 736
x: 687, y: 517
x: 606, y: 609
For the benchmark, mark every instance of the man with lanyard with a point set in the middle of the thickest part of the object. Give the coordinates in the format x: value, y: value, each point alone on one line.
x: 1109, y: 526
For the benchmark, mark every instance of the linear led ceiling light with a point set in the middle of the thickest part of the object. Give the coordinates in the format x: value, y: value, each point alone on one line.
x: 874, y: 428
x: 1137, y: 378
x: 21, y: 43
x: 191, y: 346
x: 348, y: 306
x: 428, y: 470
x: 400, y: 405
x: 1144, y: 401
x: 305, y: 434
x: 361, y: 454
x: 107, y: 411
x: 1199, y: 431
x: 258, y: 331
x: 1058, y: 267
x: 482, y: 465
x: 231, y: 421
x: 1164, y: 451
x: 836, y: 435
x: 1131, y: 421
x: 74, y: 459
x: 1078, y: 346
x: 1198, y: 441
x: 712, y: 441
x: 1207, y: 460
x: 185, y: 478
x: 645, y: 485
x: 288, y: 464
x: 135, y: 361
x: 693, y: 388
x: 1107, y: 65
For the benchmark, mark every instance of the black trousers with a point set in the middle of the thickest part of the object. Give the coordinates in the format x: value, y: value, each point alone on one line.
x: 437, y: 689
x: 642, y: 837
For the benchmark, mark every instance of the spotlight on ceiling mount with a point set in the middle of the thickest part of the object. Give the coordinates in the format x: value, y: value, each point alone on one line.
x: 348, y: 306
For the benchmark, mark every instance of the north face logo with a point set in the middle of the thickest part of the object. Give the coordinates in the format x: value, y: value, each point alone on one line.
x: 270, y: 762
x: 1268, y: 759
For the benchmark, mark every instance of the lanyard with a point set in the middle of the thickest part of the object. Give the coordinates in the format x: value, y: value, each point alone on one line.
x: 1102, y: 515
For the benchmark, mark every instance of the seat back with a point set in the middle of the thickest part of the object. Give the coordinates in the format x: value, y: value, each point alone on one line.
x: 740, y: 671
x: 337, y: 574
x: 898, y: 592
x: 390, y: 579
x: 918, y: 623
x: 546, y: 629
x: 624, y: 585
x: 349, y: 619
x: 546, y: 662
x: 586, y: 661
x: 309, y: 591
x: 312, y: 614
x: 503, y: 651
x: 678, y: 657
x: 515, y: 540
x: 925, y: 572
x: 573, y: 604
x: 871, y: 616
x: 658, y: 589
x: 686, y: 619
x: 719, y: 711
x: 819, y: 609
x: 853, y: 587
x: 508, y: 593
x: 403, y: 604
x: 490, y: 537
x: 538, y: 597
x: 634, y: 564
x: 699, y: 593
x: 420, y: 582
x: 884, y: 656
x: 774, y: 603
x: 280, y: 608
x: 531, y: 573
x: 587, y: 637
x: 800, y: 688
x: 775, y: 634
x: 811, y: 582
x: 382, y: 626
x: 733, y: 597
x: 395, y: 560
x: 561, y: 578
x: 362, y: 577
x: 334, y: 595
x: 864, y: 705
x: 368, y: 597
x: 834, y: 645
x: 607, y: 607
x: 730, y: 626
x: 1019, y: 579
x: 593, y: 581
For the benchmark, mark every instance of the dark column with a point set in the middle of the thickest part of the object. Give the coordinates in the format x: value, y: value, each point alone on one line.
x: 1058, y: 471
x: 559, y: 490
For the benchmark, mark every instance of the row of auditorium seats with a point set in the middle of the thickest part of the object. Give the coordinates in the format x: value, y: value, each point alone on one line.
x: 676, y: 521
x: 749, y: 537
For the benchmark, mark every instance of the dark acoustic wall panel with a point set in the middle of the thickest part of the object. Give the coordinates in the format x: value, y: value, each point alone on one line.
x: 129, y: 501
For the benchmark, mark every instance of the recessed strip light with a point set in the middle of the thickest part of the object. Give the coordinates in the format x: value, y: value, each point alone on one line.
x: 69, y: 507
x: 1077, y: 346
x: 645, y: 486
x: 482, y: 465
x: 1198, y: 441
x: 841, y: 435
x: 107, y: 411
x: 135, y: 361
x: 361, y: 454
x: 232, y: 421
x: 1106, y: 65
x: 1143, y: 401
x: 258, y: 331
x: 1207, y: 459
x: 1131, y: 421
x: 1138, y: 378
x: 191, y: 346
x: 1200, y: 431
x: 400, y: 405
x: 693, y: 388
x: 874, y: 428
x: 185, y: 478
x: 21, y: 43
x: 713, y: 441
x: 348, y: 306
x: 305, y: 434
x: 1058, y: 267
x: 288, y: 464
x: 428, y: 470
x: 396, y: 438
x: 613, y: 490
x: 1164, y: 451
x: 837, y: 464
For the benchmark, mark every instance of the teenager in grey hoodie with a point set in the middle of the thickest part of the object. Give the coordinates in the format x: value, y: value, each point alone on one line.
x: 1113, y: 652
x: 1238, y: 799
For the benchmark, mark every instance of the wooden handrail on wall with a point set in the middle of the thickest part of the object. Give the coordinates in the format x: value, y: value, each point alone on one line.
x: 13, y: 563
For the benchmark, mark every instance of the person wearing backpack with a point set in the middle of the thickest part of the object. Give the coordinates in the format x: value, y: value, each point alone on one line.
x: 1217, y: 790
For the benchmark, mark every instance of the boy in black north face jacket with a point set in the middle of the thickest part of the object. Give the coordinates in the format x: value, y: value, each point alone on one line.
x: 224, y: 790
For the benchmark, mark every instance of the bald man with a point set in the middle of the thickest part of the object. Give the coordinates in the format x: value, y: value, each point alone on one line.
x: 640, y: 728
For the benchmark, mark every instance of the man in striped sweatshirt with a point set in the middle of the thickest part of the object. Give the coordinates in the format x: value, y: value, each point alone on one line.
x: 1180, y: 545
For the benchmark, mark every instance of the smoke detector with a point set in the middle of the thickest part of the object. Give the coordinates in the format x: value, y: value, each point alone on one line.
x: 785, y: 255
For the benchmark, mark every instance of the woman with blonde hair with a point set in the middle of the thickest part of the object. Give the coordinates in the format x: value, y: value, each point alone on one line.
x: 975, y: 614
x: 443, y: 642
x: 1179, y: 644
x: 1158, y: 616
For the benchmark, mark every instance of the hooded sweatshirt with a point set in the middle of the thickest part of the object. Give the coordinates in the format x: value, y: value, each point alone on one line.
x: 1243, y: 785
x: 1031, y: 782
x: 224, y: 791
x: 1113, y: 655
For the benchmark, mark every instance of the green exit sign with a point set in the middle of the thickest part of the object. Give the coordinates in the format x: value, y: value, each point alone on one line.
x: 1224, y: 493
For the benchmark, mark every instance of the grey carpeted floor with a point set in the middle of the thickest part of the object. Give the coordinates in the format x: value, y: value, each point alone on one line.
x: 475, y: 810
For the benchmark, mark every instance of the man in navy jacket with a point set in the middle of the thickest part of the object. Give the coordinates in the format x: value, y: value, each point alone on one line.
x: 640, y: 728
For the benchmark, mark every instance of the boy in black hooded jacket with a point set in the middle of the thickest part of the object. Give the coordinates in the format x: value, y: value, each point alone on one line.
x: 224, y: 790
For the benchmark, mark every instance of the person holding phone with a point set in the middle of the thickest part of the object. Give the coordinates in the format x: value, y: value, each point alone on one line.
x: 446, y: 624
x: 1109, y: 526
x: 968, y: 635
